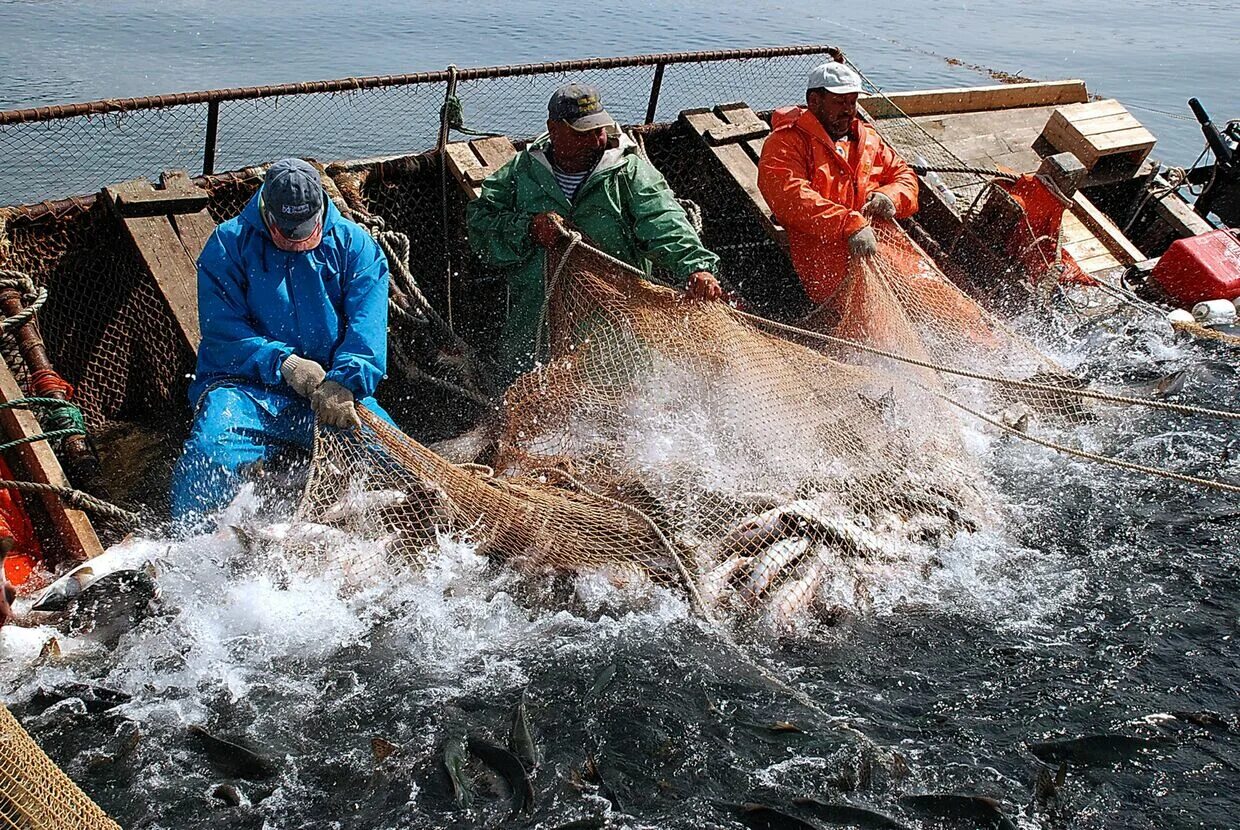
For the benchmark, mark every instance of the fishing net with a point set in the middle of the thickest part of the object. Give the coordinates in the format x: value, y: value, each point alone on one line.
x: 34, y: 793
x: 679, y: 442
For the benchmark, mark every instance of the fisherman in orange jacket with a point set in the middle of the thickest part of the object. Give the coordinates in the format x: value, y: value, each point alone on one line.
x: 826, y: 175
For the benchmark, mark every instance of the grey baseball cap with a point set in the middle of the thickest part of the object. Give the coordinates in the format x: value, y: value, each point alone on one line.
x: 292, y: 198
x: 835, y: 77
x: 580, y: 105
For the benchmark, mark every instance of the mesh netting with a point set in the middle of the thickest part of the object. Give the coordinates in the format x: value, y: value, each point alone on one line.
x: 681, y: 442
x: 34, y: 793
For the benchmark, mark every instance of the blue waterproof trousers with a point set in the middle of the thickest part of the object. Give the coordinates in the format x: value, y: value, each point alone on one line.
x: 236, y: 425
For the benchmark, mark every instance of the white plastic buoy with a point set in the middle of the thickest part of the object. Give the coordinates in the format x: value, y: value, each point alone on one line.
x: 1215, y: 313
x: 1180, y: 315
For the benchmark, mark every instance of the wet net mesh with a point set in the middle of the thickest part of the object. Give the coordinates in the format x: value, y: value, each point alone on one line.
x: 34, y: 793
x: 687, y: 443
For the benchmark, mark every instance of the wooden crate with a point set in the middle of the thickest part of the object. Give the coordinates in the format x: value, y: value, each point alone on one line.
x: 1099, y: 132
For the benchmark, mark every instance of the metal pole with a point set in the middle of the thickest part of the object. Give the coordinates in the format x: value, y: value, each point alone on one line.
x: 655, y: 86
x: 208, y: 149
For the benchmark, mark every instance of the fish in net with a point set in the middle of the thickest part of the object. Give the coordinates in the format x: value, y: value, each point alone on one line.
x: 682, y: 441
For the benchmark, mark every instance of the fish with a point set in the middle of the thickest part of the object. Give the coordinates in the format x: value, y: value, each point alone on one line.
x: 788, y: 602
x: 112, y: 604
x: 979, y: 808
x: 714, y: 584
x: 231, y: 758
x: 20, y: 645
x: 382, y: 749
x: 357, y: 503
x: 229, y: 795
x: 454, y: 761
x: 601, y: 681
x: 508, y: 766
x: 768, y: 564
x: 1094, y: 750
x: 765, y: 817
x: 121, y: 745
x: 521, y: 738
x: 120, y: 558
x: 96, y: 698
x: 847, y: 814
x: 913, y: 502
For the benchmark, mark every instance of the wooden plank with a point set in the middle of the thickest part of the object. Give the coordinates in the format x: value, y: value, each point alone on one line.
x: 743, y: 169
x: 174, y: 271
x: 1106, y: 124
x: 732, y: 133
x: 973, y: 99
x: 1092, y: 109
x: 1180, y: 217
x: 494, y: 152
x: 1123, y: 141
x: 465, y: 166
x: 140, y: 198
x: 1106, y: 231
x: 1102, y: 262
x: 40, y: 464
x: 1085, y: 248
x: 194, y: 229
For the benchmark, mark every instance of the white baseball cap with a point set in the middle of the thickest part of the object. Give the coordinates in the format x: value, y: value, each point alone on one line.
x: 835, y: 77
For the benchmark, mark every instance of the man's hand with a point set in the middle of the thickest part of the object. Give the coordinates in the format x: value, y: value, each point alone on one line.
x: 547, y: 229
x: 333, y: 404
x: 879, y: 205
x: 7, y: 594
x: 703, y: 286
x: 863, y: 243
x: 301, y: 374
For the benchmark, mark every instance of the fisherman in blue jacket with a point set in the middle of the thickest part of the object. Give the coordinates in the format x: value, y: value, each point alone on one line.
x: 292, y: 303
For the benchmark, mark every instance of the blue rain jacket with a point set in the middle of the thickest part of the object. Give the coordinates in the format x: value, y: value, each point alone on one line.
x: 258, y: 304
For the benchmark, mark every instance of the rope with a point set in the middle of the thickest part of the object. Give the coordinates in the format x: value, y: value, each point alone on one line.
x: 35, y: 297
x: 550, y: 282
x: 976, y: 171
x: 76, y: 498
x: 1090, y: 456
x: 1183, y: 409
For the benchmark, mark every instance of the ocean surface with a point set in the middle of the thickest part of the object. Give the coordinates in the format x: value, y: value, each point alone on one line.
x: 1151, y: 55
x: 1074, y: 666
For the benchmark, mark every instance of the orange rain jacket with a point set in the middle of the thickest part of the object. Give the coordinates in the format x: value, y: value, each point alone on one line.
x: 817, y: 194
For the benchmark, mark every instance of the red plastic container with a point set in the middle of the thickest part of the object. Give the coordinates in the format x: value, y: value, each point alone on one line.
x: 1200, y: 268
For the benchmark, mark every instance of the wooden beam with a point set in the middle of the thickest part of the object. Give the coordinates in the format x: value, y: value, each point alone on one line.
x: 472, y: 162
x: 742, y: 167
x: 1105, y: 230
x: 973, y: 99
x: 40, y: 465
x: 139, y: 198
x: 1180, y: 217
x: 196, y: 228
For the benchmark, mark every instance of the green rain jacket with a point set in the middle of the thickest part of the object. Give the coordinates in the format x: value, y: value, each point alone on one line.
x: 624, y: 206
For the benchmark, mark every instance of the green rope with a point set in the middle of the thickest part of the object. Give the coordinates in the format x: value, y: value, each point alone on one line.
x: 454, y: 115
x: 64, y: 417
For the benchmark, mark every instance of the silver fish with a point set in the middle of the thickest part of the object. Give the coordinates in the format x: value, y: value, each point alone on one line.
x: 714, y: 583
x: 65, y: 590
x: 788, y: 603
x: 768, y: 564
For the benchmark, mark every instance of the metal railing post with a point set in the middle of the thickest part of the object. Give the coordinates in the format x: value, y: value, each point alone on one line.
x: 208, y: 148
x: 655, y: 86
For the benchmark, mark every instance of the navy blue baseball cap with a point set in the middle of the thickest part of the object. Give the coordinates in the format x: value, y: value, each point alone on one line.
x: 292, y: 204
x: 580, y: 105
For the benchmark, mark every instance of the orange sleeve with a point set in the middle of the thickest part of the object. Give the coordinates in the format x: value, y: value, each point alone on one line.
x: 783, y: 178
x: 900, y: 182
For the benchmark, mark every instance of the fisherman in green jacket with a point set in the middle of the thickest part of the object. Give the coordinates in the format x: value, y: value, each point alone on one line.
x: 591, y: 175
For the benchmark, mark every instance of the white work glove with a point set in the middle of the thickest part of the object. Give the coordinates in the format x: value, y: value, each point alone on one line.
x: 333, y: 404
x: 863, y: 243
x: 301, y: 374
x: 879, y: 205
